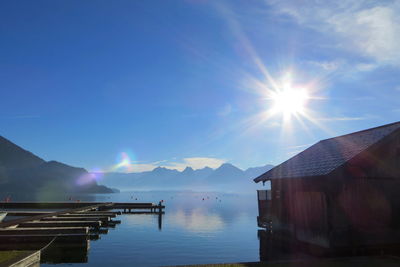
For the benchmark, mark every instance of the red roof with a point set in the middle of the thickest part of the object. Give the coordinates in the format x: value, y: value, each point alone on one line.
x: 327, y: 155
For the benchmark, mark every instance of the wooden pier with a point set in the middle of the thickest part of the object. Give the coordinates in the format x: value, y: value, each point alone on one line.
x: 72, y: 226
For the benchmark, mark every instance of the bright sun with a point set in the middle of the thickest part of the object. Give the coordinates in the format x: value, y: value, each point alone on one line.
x: 289, y: 101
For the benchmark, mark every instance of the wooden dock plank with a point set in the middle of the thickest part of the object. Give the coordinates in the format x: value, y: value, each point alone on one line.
x: 43, y: 239
x: 57, y: 218
x: 38, y: 217
x: 84, y: 213
x: 45, y: 230
x: 27, y: 213
x: 47, y: 205
x: 95, y: 224
x: 36, y: 242
x: 73, y: 205
x: 142, y: 212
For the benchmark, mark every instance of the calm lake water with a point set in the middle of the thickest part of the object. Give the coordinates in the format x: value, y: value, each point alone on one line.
x: 220, y: 228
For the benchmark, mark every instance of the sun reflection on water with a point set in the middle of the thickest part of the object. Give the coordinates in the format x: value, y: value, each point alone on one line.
x: 198, y: 221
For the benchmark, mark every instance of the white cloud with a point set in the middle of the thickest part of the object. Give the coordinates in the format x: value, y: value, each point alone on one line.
x: 367, y: 28
x: 142, y: 167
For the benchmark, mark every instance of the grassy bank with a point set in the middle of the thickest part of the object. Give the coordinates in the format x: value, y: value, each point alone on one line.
x: 9, y: 255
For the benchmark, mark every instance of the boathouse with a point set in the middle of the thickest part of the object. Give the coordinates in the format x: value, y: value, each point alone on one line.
x: 342, y: 192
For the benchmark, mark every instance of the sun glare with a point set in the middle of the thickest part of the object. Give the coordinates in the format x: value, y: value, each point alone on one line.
x: 289, y: 101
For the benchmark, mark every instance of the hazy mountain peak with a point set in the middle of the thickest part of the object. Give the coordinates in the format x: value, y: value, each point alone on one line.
x: 188, y: 170
x: 266, y: 166
x: 257, y: 171
x: 228, y: 166
x: 206, y: 168
x: 163, y: 170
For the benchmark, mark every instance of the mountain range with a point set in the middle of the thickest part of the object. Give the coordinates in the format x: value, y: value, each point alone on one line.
x: 23, y: 172
x: 225, y: 178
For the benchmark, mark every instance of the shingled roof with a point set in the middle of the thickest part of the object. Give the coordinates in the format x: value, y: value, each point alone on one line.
x: 329, y: 154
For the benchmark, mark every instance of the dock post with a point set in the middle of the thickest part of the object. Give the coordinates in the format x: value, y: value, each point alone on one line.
x: 159, y: 207
x: 160, y: 221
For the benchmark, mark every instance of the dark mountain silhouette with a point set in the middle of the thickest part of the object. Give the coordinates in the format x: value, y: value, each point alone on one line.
x: 15, y: 157
x: 22, y: 171
x: 227, y: 177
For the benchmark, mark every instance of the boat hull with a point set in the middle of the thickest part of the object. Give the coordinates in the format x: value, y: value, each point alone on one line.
x: 2, y: 215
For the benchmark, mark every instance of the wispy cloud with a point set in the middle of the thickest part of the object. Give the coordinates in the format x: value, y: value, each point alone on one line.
x: 367, y: 28
x: 327, y: 65
x: 225, y: 111
x: 366, y: 66
x: 342, y: 118
x: 294, y: 150
x: 299, y: 146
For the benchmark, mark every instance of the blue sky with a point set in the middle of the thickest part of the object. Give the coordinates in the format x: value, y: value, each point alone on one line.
x: 176, y: 83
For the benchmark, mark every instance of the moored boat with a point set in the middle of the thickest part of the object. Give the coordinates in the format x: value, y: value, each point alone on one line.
x: 2, y: 215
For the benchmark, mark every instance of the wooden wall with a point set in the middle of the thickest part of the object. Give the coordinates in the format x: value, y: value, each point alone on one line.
x: 357, y: 200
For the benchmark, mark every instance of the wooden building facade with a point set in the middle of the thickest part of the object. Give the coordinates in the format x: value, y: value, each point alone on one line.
x: 341, y: 192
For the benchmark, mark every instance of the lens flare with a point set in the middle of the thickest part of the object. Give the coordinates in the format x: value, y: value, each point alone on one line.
x: 124, y: 163
x: 88, y: 178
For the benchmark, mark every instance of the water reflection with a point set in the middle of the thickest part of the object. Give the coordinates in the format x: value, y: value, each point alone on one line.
x: 220, y: 228
x: 278, y: 246
x: 273, y: 248
x: 59, y: 254
x: 197, y: 220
